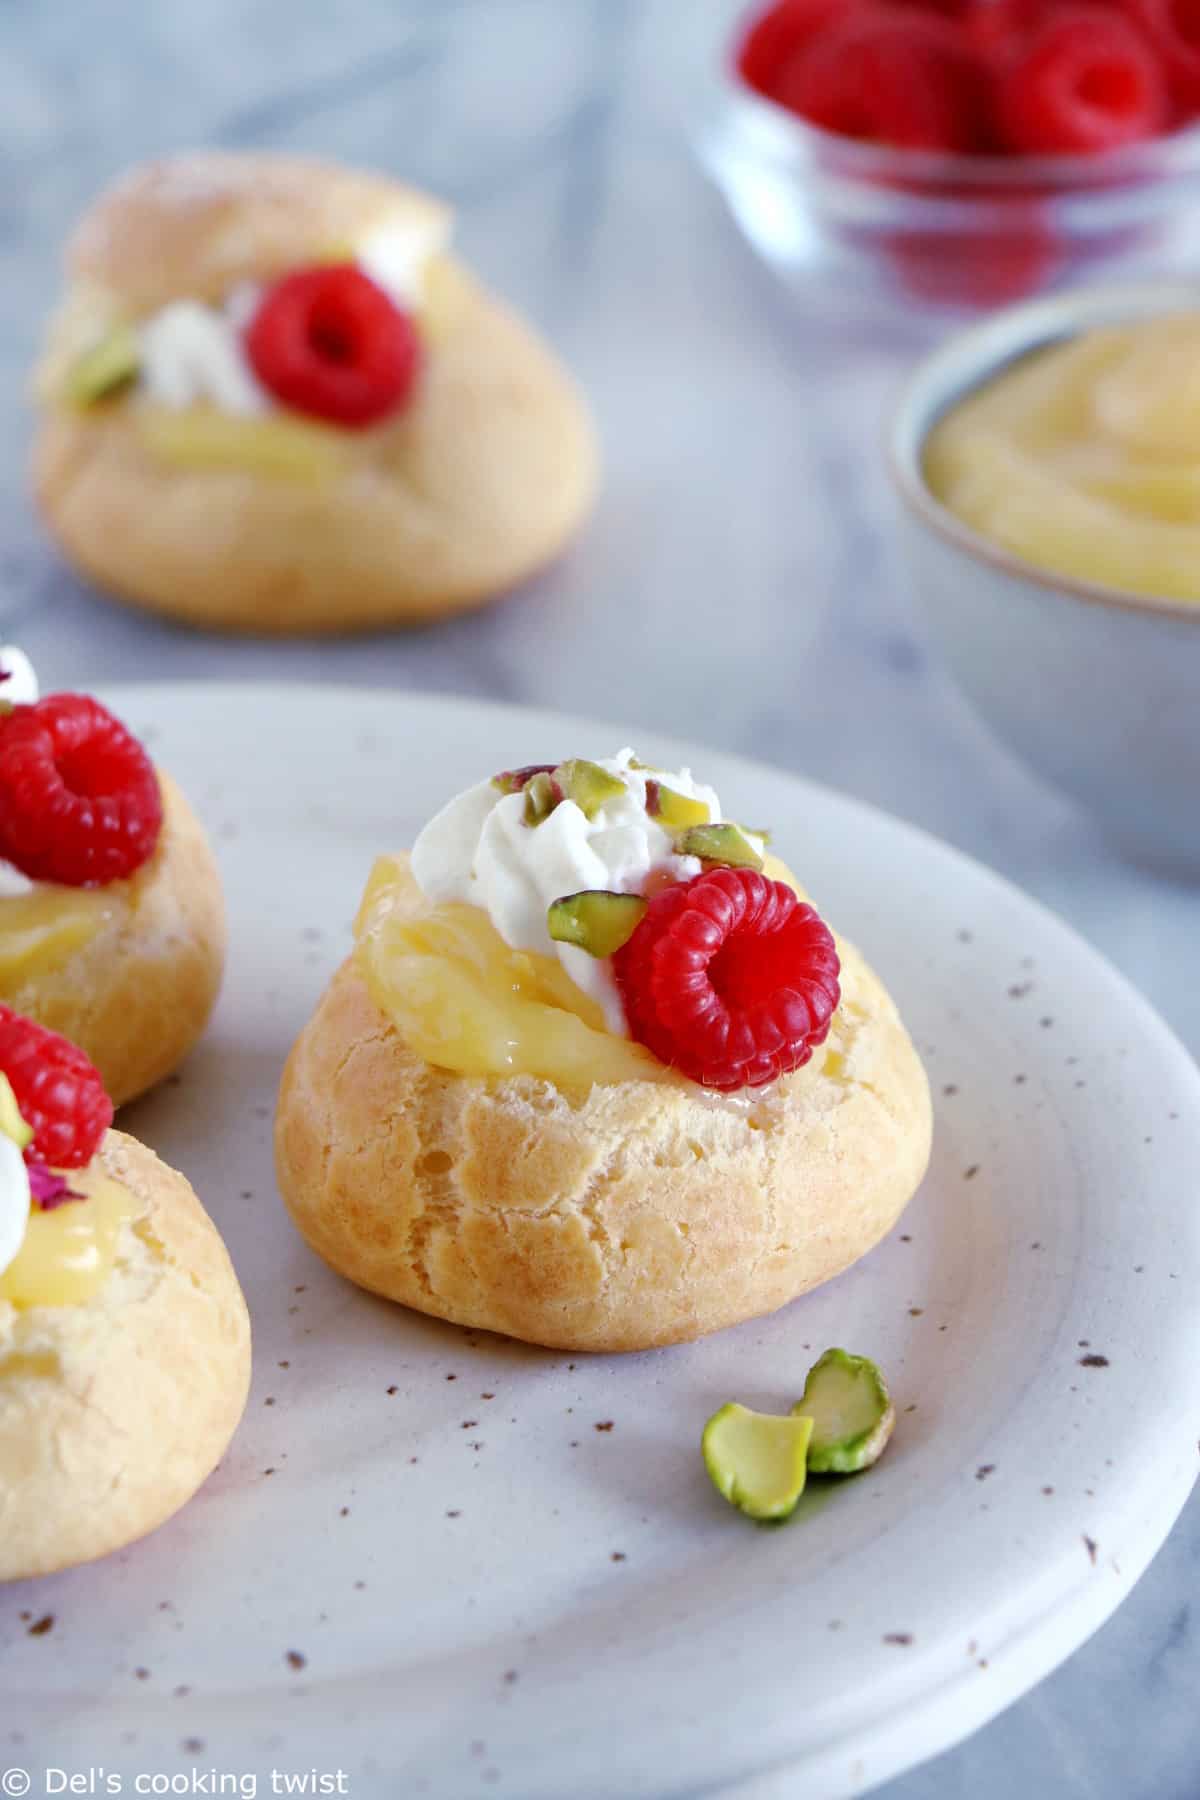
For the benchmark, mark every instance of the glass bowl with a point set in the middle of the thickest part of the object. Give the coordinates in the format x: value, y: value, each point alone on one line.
x: 941, y: 234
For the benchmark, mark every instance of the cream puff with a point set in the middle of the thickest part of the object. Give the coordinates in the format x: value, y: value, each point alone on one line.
x: 112, y: 919
x: 272, y: 401
x: 596, y: 1075
x: 124, y: 1337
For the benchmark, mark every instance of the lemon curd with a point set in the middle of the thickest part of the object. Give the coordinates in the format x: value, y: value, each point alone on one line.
x: 68, y: 1253
x: 41, y: 930
x: 1084, y: 458
x: 464, y: 1001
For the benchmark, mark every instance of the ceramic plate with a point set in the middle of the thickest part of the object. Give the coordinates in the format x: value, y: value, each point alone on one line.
x: 445, y: 1564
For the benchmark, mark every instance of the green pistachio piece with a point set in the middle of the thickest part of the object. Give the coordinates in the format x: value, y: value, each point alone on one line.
x: 852, y: 1414
x: 595, y: 920
x: 719, y: 844
x: 11, y: 1123
x: 757, y: 1462
x: 588, y: 785
x: 111, y: 364
x: 542, y: 795
x: 676, y: 812
x: 512, y: 781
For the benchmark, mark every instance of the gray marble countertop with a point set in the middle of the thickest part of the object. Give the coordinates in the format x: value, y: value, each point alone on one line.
x: 745, y: 506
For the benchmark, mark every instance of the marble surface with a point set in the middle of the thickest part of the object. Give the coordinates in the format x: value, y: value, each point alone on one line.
x: 739, y: 582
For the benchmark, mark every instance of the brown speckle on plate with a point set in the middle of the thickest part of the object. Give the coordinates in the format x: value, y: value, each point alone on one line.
x: 141, y: 1674
x: 916, y: 1312
x: 1091, y: 1546
x: 604, y: 1425
x: 1093, y: 1361
x: 618, y: 1556
x: 193, y: 1746
x: 41, y: 1626
x: 902, y: 1638
x: 393, y: 1389
x: 984, y: 1470
x: 296, y: 1659
x: 970, y: 1173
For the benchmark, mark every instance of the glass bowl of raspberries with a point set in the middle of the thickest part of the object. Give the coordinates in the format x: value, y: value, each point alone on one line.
x: 958, y: 154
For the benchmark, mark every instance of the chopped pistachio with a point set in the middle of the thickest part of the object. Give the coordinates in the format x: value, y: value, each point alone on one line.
x: 847, y: 1400
x: 719, y: 844
x: 11, y: 1123
x: 542, y: 795
x: 675, y: 811
x: 757, y: 1462
x: 512, y: 781
x: 111, y: 364
x: 588, y: 784
x: 595, y: 920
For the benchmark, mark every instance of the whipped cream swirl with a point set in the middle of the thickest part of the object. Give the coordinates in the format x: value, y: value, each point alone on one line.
x: 14, y: 1201
x: 479, y: 849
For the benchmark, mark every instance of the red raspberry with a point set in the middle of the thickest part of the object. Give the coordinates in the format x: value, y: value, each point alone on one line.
x: 774, y: 37
x: 1086, y: 82
x: 1172, y: 29
x: 79, y: 800
x: 57, y: 1091
x: 330, y: 342
x: 891, y: 77
x: 729, y: 978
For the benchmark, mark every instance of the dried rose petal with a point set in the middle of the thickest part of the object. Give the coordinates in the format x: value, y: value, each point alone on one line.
x: 48, y: 1189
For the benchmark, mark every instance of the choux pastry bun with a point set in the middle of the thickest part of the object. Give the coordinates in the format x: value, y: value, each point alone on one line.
x: 112, y: 919
x: 594, y: 1076
x: 124, y: 1337
x: 272, y: 401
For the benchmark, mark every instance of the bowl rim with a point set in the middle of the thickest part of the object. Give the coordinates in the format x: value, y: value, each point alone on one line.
x: 978, y: 354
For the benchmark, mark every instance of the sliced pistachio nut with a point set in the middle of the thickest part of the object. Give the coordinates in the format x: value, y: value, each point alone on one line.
x: 851, y: 1410
x: 542, y: 795
x: 512, y: 781
x: 719, y: 844
x: 675, y: 811
x: 12, y: 1125
x: 111, y: 364
x: 595, y: 920
x: 757, y: 1462
x: 588, y: 784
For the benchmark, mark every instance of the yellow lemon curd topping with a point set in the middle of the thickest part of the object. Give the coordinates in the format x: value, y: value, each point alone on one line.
x: 464, y: 1001
x: 1084, y: 458
x: 69, y: 1251
x: 41, y: 930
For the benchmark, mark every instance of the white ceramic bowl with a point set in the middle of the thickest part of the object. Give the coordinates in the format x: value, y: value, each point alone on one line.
x: 1098, y: 690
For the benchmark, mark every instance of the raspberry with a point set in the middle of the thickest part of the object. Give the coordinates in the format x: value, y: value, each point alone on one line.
x: 1086, y: 82
x: 79, y: 800
x: 57, y: 1091
x: 1172, y: 28
x: 330, y: 342
x: 729, y: 978
x: 775, y: 36
x: 898, y: 77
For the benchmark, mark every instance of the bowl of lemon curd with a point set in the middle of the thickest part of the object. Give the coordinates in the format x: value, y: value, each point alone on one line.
x: 1048, y: 464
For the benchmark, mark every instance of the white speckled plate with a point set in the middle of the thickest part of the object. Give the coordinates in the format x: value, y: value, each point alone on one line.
x: 448, y: 1565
